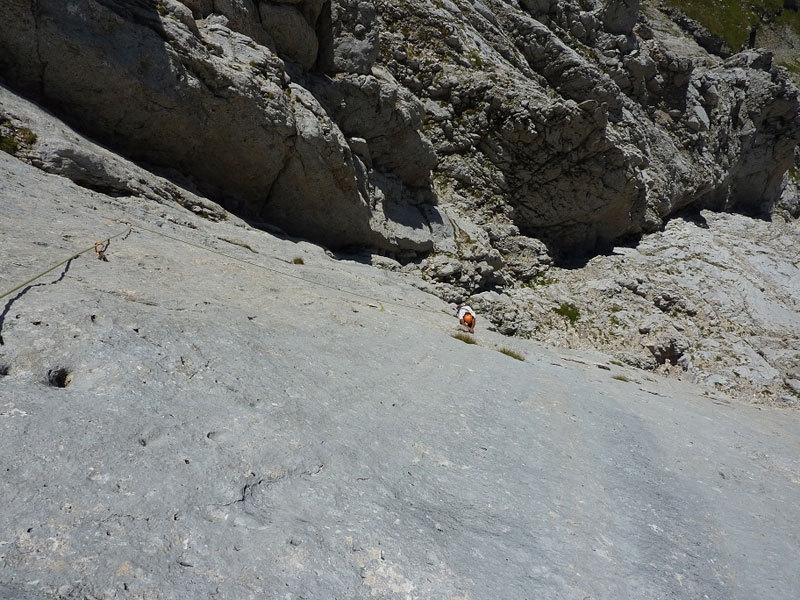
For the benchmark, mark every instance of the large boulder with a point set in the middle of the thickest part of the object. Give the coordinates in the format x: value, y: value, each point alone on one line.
x: 294, y: 36
x: 619, y: 16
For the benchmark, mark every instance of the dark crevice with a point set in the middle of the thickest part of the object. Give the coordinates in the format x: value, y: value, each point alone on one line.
x: 324, y: 32
x: 24, y: 291
x: 105, y: 189
x: 41, y: 63
x: 59, y: 377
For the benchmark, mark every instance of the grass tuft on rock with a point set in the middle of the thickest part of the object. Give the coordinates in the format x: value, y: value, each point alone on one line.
x: 512, y: 353
x: 465, y: 337
x: 8, y: 145
x: 13, y: 139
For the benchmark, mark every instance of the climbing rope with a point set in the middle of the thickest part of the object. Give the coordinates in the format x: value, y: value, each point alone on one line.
x: 99, y: 248
x: 284, y: 273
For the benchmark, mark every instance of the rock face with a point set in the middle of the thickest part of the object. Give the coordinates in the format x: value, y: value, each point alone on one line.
x: 55, y: 148
x: 206, y: 92
x: 585, y: 142
x: 713, y: 299
x: 217, y: 412
x: 214, y: 419
x: 479, y: 143
x: 380, y: 124
x: 349, y: 36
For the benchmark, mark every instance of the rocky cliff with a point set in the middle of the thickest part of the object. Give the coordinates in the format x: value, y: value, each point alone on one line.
x: 382, y: 124
x: 477, y: 142
x: 193, y: 407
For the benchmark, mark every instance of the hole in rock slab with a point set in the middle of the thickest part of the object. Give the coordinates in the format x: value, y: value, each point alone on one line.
x: 4, y: 369
x: 59, y: 377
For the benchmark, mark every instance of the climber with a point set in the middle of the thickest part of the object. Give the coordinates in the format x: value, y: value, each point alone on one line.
x: 466, y: 317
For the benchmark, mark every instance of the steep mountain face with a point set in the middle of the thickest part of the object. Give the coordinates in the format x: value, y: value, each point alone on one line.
x: 479, y: 143
x: 214, y: 91
x: 196, y: 408
x: 389, y: 124
x: 216, y: 412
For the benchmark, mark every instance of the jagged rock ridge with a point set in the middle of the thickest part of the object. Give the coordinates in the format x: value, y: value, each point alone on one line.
x: 380, y: 124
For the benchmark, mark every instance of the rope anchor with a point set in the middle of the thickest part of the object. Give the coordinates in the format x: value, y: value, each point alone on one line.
x: 100, y: 249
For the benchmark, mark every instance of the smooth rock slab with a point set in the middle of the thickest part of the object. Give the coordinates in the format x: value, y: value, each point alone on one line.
x: 242, y: 425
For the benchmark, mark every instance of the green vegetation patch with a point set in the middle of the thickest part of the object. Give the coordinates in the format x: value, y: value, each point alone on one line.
x: 569, y: 311
x: 540, y: 280
x: 13, y: 138
x: 9, y: 144
x: 732, y: 20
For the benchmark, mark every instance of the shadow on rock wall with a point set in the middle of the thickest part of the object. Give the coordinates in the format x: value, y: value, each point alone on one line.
x: 203, y: 99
